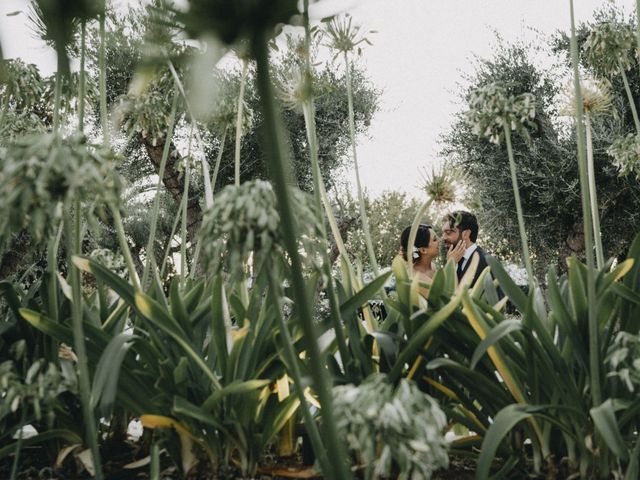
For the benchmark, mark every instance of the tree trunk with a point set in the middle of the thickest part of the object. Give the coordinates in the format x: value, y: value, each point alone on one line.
x: 174, y: 181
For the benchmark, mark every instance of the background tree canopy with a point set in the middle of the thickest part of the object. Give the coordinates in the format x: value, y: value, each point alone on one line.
x: 547, y: 166
x: 134, y: 42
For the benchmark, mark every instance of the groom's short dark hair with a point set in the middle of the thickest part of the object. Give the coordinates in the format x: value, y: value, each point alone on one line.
x: 464, y: 221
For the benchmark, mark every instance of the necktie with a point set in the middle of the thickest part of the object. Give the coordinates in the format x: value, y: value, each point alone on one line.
x: 459, y: 269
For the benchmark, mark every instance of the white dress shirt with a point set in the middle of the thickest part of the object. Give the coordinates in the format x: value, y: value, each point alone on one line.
x: 467, y: 254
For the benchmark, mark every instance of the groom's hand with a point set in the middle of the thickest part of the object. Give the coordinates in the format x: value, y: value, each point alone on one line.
x: 456, y: 252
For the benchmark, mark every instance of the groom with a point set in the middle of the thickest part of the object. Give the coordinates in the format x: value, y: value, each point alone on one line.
x: 459, y: 232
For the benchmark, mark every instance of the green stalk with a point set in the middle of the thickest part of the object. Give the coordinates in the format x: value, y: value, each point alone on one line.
x: 56, y: 101
x: 632, y: 104
x: 594, y: 345
x: 243, y: 81
x: 173, y: 232
x: 16, y: 455
x: 74, y: 241
x: 638, y: 26
x: 124, y: 246
x: 275, y: 149
x: 516, y: 194
x: 81, y: 80
x: 103, y: 81
x: 185, y: 204
x: 292, y: 360
x: 318, y: 190
x: 593, y: 195
x: 208, y: 191
x: 352, y: 133
x: 53, y: 244
x: 414, y: 232
x: 214, y: 177
x: 156, y: 200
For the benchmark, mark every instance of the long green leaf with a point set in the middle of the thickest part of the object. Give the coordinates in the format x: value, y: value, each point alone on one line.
x: 235, y: 387
x: 363, y: 296
x: 120, y: 286
x: 417, y: 341
x: 605, y: 420
x: 161, y: 319
x: 494, y: 335
x: 506, y: 419
x: 515, y: 294
x: 105, y: 379
x: 56, y: 433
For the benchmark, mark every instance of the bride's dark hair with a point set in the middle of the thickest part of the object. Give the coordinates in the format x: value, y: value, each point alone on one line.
x: 423, y: 237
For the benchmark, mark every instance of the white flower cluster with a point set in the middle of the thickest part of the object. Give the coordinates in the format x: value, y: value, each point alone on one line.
x: 492, y: 110
x: 391, y: 428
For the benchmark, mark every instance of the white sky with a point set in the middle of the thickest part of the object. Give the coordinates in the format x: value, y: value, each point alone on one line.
x: 419, y: 54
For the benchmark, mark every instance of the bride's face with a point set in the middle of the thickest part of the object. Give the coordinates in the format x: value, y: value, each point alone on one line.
x: 433, y: 248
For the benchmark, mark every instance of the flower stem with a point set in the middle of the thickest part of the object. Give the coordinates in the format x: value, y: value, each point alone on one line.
x: 296, y: 375
x: 243, y: 81
x: 274, y: 145
x: 214, y: 177
x: 352, y: 133
x: 594, y: 344
x: 593, y: 196
x: 82, y: 77
x: 56, y: 102
x: 103, y: 81
x: 74, y: 241
x: 156, y: 200
x: 319, y: 192
x: 124, y: 246
x: 632, y: 104
x: 516, y: 194
x: 185, y: 204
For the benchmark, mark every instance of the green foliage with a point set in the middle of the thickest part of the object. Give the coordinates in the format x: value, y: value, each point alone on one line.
x: 626, y: 154
x: 543, y: 360
x: 547, y: 172
x: 41, y: 174
x: 492, y: 109
x: 244, y: 220
x: 608, y: 48
x: 624, y: 359
x: 392, y: 430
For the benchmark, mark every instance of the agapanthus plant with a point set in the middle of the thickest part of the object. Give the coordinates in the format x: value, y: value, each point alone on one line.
x: 624, y: 360
x: 626, y: 154
x: 41, y: 174
x: 492, y: 110
x: 244, y: 220
x: 389, y: 428
x: 609, y: 49
x: 494, y: 113
x: 595, y: 97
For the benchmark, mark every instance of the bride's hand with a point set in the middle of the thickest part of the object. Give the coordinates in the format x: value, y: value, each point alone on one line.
x: 456, y: 252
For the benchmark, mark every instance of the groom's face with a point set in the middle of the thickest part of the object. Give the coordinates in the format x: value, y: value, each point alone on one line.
x: 450, y: 234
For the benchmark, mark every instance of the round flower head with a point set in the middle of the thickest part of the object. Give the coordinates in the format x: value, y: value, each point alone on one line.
x: 596, y: 97
x: 492, y: 109
x: 244, y: 220
x: 626, y: 154
x: 440, y: 184
x: 610, y: 47
x: 40, y: 174
x: 345, y: 36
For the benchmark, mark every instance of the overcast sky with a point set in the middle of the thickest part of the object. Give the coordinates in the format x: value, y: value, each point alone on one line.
x: 420, y: 52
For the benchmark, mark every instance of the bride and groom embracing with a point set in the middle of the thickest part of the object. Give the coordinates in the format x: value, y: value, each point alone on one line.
x: 459, y: 233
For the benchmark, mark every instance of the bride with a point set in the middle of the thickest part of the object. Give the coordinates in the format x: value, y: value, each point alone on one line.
x: 425, y: 250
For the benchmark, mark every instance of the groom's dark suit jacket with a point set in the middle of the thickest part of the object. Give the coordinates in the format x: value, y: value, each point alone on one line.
x: 482, y: 264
